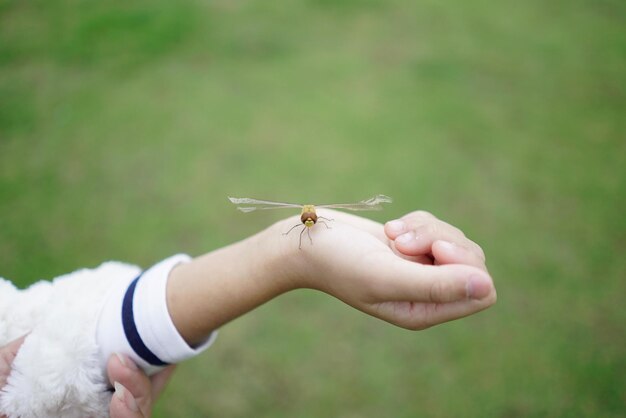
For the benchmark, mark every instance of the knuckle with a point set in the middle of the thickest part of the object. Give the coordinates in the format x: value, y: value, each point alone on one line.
x: 479, y: 250
x: 419, y: 217
x: 456, y: 230
x: 448, y: 230
x: 474, y: 248
x: 442, y: 292
x: 428, y: 228
x: 433, y: 227
x: 434, y: 293
x: 424, y: 214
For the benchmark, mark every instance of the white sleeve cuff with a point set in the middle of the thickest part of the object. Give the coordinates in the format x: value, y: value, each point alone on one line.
x: 135, y: 321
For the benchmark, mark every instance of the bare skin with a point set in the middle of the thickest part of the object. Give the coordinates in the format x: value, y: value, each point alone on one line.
x: 135, y: 393
x: 414, y: 272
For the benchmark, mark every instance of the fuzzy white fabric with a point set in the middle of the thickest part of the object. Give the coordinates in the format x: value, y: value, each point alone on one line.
x: 58, y: 370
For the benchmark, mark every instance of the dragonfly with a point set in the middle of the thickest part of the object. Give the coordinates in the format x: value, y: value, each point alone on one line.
x: 308, y: 215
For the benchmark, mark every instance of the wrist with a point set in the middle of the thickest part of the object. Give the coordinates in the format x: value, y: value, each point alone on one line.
x: 215, y: 288
x: 276, y: 260
x: 285, y: 265
x: 267, y: 261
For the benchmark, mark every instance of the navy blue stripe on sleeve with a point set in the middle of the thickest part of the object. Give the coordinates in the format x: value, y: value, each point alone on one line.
x: 130, y: 328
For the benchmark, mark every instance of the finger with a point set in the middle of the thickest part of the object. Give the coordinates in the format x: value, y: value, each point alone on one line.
x: 161, y: 379
x: 123, y: 404
x: 397, y: 227
x: 7, y: 355
x: 419, y: 216
x: 450, y: 253
x: 421, y: 258
x: 431, y: 226
x: 394, y: 279
x: 420, y: 240
x: 419, y: 316
x: 123, y: 370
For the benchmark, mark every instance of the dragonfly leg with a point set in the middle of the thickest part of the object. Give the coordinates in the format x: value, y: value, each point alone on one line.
x: 323, y: 222
x: 291, y: 229
x: 302, y: 232
x: 308, y: 232
x: 321, y: 217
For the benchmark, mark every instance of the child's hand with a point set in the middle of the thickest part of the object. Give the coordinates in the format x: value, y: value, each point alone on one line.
x: 135, y: 393
x: 415, y: 272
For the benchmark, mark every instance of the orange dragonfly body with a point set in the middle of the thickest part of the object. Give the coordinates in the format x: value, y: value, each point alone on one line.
x: 308, y: 215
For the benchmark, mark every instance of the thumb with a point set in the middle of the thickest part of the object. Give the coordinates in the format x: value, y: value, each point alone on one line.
x: 397, y: 279
x: 123, y: 404
x: 417, y: 296
x: 7, y: 355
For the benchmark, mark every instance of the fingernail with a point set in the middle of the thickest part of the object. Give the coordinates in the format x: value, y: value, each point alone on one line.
x: 396, y: 226
x: 119, y: 390
x: 478, y: 287
x: 125, y: 396
x: 406, y: 238
x: 126, y: 362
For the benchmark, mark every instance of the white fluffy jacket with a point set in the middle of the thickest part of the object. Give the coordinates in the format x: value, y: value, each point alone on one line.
x: 58, y: 371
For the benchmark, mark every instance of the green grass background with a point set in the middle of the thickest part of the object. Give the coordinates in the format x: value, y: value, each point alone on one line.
x: 125, y: 124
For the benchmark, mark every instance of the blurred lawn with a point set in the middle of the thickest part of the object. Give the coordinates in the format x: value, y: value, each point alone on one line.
x: 125, y: 124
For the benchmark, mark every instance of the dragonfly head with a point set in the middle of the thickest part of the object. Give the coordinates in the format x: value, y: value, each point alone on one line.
x: 308, y: 216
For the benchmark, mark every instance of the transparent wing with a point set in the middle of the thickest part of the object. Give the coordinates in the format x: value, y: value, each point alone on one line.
x: 373, y: 203
x: 245, y: 204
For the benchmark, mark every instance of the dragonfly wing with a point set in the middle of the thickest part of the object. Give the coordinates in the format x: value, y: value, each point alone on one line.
x: 246, y: 204
x: 373, y: 203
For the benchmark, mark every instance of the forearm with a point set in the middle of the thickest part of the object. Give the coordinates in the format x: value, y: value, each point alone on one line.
x: 215, y: 288
x: 353, y: 261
